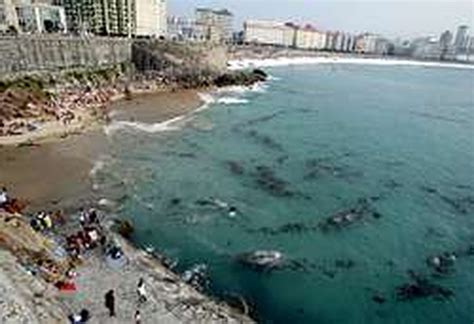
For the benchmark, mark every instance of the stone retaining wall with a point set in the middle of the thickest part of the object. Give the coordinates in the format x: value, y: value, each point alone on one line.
x: 26, y: 54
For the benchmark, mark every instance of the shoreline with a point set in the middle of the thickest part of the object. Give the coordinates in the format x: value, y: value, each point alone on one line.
x: 293, y: 57
x: 67, y: 165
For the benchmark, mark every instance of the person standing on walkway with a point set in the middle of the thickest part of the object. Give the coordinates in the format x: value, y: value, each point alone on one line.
x: 110, y: 302
x: 141, y: 291
x: 138, y: 317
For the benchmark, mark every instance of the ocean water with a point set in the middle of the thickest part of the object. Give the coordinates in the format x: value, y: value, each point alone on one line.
x: 396, y: 143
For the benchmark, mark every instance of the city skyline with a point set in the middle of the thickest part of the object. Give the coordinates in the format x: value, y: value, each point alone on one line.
x: 390, y: 18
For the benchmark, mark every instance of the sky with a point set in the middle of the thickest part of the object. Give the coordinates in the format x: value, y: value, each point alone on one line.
x: 392, y: 18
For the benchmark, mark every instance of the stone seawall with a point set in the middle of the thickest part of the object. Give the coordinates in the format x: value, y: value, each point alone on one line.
x: 26, y: 54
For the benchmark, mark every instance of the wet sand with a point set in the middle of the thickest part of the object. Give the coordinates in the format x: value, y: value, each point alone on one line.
x: 57, y: 172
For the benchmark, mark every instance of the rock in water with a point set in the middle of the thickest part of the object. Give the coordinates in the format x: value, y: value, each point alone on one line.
x: 261, y: 260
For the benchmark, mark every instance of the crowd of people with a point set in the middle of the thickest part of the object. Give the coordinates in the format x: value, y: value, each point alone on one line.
x: 88, y: 235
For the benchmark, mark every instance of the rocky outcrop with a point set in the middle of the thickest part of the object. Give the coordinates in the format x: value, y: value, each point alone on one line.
x: 188, y: 66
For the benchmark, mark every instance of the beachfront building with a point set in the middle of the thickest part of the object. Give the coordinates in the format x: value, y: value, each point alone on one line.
x: 349, y: 42
x: 8, y: 17
x: 215, y: 25
x: 26, y: 16
x: 101, y: 17
x: 308, y: 37
x: 426, y: 48
x: 269, y: 33
x: 150, y: 18
x: 185, y: 29
x: 462, y: 39
x: 330, y: 41
x: 366, y: 44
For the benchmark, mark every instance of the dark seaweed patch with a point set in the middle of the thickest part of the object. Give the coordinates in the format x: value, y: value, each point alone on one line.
x: 289, y: 228
x: 316, y: 168
x: 391, y: 184
x: 268, y: 181
x: 345, y: 218
x: 265, y: 140
x: 461, y: 204
x: 235, y: 167
x: 263, y: 119
x: 421, y: 287
x: 282, y: 159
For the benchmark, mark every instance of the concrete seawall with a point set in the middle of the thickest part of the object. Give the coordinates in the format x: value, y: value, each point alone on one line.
x: 26, y: 54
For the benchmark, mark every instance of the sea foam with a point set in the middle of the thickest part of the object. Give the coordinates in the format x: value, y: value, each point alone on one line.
x: 231, y: 101
x: 169, y: 125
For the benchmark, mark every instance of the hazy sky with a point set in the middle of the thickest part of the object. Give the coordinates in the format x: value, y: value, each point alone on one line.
x: 389, y: 17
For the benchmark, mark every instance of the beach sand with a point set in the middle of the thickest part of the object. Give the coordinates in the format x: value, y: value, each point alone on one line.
x: 55, y: 172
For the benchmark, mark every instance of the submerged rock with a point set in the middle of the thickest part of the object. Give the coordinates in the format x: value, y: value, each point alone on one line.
x: 350, y: 216
x: 442, y: 264
x: 236, y: 167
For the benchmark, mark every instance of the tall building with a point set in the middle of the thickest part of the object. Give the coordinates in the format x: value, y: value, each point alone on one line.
x: 216, y: 24
x: 269, y: 33
x: 460, y: 42
x: 101, y: 17
x: 150, y: 18
x: 445, y: 44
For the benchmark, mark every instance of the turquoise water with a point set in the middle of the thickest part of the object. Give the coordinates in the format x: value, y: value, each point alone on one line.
x: 399, y: 140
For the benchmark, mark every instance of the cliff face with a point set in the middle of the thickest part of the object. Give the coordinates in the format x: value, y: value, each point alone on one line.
x: 188, y: 65
x: 169, y: 57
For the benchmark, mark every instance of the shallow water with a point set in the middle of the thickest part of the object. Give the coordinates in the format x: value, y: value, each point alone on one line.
x: 317, y: 140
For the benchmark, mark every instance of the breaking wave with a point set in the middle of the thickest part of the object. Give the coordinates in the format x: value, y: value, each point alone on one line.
x: 169, y: 125
x: 286, y: 61
x: 231, y: 101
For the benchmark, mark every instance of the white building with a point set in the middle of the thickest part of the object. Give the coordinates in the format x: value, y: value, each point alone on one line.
x: 26, y: 16
x: 215, y: 24
x: 310, y: 38
x: 366, y: 44
x: 150, y: 18
x: 269, y: 33
x: 339, y: 42
x: 185, y: 29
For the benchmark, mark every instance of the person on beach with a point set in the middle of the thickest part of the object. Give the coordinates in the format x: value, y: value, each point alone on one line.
x: 141, y: 291
x: 110, y: 302
x: 83, y: 217
x: 138, y: 317
x: 81, y: 318
x: 3, y: 197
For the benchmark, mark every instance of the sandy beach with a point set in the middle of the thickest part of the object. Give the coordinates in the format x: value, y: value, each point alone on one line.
x: 56, y: 171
